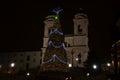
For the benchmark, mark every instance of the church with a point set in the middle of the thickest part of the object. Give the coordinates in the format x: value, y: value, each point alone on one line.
x: 76, y: 44
x: 76, y: 47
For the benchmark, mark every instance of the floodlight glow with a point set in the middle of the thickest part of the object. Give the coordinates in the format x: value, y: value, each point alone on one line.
x: 28, y: 74
x: 108, y: 64
x: 70, y: 65
x: 88, y: 74
x: 94, y: 66
x: 76, y: 59
x: 12, y: 65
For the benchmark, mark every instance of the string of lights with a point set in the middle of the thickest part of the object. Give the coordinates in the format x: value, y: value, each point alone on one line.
x: 57, y: 10
x: 62, y: 45
x: 53, y: 58
x: 55, y: 31
x: 50, y: 43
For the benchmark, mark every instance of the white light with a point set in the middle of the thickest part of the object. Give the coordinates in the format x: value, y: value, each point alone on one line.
x: 88, y: 74
x: 94, y: 66
x: 108, y: 64
x: 76, y: 59
x: 70, y: 65
x: 28, y: 74
x: 12, y: 64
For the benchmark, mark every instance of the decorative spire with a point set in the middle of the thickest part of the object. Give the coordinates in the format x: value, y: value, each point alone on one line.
x: 57, y: 10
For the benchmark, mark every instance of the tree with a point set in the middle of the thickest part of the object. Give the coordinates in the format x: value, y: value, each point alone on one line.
x: 55, y: 58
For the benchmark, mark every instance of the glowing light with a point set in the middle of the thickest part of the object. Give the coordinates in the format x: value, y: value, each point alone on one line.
x: 62, y: 45
x: 66, y: 78
x: 76, y: 59
x: 55, y: 31
x: 108, y: 64
x: 28, y: 74
x: 88, y: 74
x: 70, y: 78
x: 12, y: 65
x: 53, y: 58
x: 9, y: 71
x: 70, y: 65
x: 56, y: 17
x: 57, y: 10
x: 94, y: 66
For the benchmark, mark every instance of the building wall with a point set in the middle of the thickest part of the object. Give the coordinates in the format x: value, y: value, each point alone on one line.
x: 23, y: 60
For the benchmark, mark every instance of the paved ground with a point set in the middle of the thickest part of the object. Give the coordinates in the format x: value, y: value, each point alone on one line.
x: 34, y: 77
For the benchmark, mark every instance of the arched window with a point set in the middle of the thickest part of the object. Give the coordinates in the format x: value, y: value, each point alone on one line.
x: 68, y: 45
x: 49, y: 30
x: 79, y: 29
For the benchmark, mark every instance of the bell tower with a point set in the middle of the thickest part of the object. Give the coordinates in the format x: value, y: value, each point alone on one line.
x: 80, y: 24
x: 49, y: 21
x: 48, y: 24
x: 80, y: 39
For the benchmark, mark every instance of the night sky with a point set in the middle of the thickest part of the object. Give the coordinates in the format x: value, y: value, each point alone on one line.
x: 21, y: 28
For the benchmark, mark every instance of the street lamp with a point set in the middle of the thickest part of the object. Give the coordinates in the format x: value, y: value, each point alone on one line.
x: 95, y: 66
x: 88, y: 74
x: 12, y: 64
x: 70, y: 65
x: 108, y: 64
x: 28, y: 74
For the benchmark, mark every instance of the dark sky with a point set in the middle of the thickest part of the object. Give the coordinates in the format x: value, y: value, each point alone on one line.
x: 21, y: 28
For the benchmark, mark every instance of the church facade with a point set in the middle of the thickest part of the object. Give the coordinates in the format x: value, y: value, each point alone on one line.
x: 76, y: 44
x: 76, y: 47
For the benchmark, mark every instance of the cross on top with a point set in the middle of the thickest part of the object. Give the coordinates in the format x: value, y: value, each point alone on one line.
x: 57, y: 10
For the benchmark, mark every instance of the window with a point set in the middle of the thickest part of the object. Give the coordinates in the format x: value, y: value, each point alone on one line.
x: 79, y: 61
x: 68, y: 45
x: 65, y: 44
x: 28, y: 58
x: 40, y: 61
x: 27, y: 65
x: 79, y: 29
x: 79, y: 58
x: 50, y: 30
x: 21, y: 54
x: 34, y: 60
